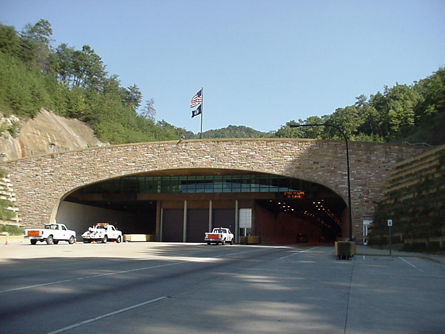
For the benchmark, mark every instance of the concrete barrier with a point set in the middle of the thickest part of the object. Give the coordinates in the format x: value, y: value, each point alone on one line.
x: 345, y: 249
x: 139, y: 237
x: 250, y: 240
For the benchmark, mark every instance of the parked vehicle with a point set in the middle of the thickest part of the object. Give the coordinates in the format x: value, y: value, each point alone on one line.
x: 302, y: 238
x: 219, y: 235
x: 51, y: 233
x: 102, y: 232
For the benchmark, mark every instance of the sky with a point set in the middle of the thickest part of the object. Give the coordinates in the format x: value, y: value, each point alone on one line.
x: 261, y: 63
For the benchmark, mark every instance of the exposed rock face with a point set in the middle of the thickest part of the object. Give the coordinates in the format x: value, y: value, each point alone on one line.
x: 46, y: 133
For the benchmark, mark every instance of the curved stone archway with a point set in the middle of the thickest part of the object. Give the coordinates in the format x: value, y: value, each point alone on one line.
x: 41, y: 182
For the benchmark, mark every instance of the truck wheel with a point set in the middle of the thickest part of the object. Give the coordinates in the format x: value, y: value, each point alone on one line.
x: 208, y: 243
x: 231, y: 241
x: 33, y: 241
x: 71, y: 241
x: 104, y: 240
x: 50, y: 240
x: 119, y: 239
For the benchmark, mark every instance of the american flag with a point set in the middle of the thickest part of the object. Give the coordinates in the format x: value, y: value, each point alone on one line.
x: 196, y: 99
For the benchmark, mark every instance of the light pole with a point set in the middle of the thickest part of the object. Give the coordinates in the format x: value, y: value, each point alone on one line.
x: 347, y: 162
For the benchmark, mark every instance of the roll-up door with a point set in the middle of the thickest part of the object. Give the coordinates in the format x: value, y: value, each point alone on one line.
x: 224, y: 218
x: 172, y: 225
x: 197, y: 224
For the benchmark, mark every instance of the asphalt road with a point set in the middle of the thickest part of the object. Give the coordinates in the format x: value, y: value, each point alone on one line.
x: 195, y: 288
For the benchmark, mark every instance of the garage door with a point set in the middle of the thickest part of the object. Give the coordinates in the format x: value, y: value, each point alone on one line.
x: 197, y: 225
x: 172, y: 225
x: 224, y: 218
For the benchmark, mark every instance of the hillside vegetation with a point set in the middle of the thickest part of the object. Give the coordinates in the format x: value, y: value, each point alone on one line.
x: 74, y: 83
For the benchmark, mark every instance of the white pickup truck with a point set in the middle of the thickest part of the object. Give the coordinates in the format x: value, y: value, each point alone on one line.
x: 51, y: 233
x: 102, y: 232
x: 219, y: 235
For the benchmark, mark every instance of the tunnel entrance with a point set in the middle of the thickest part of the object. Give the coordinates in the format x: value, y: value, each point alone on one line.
x: 180, y: 206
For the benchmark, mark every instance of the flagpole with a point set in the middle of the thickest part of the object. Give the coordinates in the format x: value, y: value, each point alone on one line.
x: 202, y: 109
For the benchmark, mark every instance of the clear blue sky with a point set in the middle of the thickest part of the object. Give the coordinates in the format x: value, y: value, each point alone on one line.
x: 262, y: 63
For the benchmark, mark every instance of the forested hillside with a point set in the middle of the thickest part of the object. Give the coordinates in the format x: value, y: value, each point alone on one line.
x: 72, y: 83
x: 75, y: 83
x: 414, y: 114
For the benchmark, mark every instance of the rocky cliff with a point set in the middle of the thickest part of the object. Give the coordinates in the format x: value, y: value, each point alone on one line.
x: 46, y: 133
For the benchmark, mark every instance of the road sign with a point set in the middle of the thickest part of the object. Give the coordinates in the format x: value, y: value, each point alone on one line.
x: 389, y: 222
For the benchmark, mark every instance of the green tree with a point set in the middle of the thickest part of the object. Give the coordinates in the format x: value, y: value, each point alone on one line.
x: 432, y: 91
x: 35, y: 44
x: 88, y: 69
x: 400, y: 114
x: 64, y: 64
x: 131, y: 96
x: 368, y: 130
x: 348, y: 119
x: 9, y: 40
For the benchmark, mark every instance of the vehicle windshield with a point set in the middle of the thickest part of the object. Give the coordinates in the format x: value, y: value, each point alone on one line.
x: 52, y: 227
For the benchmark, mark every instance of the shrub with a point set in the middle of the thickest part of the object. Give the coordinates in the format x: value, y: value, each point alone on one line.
x: 12, y: 229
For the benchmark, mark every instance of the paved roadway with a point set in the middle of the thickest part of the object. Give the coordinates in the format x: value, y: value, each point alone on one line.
x: 194, y: 288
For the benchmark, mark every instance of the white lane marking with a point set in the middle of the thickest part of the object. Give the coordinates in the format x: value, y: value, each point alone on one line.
x: 106, y: 315
x: 89, y: 277
x: 35, y: 286
x: 230, y: 254
x: 412, y: 265
x: 295, y: 253
x: 436, y: 271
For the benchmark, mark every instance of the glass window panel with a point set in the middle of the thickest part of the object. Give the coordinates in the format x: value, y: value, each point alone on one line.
x: 201, y: 184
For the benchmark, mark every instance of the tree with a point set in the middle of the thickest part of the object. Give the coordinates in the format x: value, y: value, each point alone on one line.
x: 285, y: 131
x: 395, y: 111
x: 88, y: 69
x: 9, y: 40
x: 313, y: 132
x: 131, y: 96
x: 65, y: 64
x: 402, y: 101
x: 348, y: 119
x: 368, y: 128
x: 149, y: 111
x: 432, y: 91
x: 35, y: 44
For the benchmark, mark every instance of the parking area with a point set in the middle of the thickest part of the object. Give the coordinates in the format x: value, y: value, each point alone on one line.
x: 171, y: 288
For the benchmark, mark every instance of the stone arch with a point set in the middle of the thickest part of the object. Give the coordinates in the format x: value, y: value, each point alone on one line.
x: 40, y: 182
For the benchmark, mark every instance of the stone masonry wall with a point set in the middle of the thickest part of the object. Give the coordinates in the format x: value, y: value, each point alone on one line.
x: 41, y: 182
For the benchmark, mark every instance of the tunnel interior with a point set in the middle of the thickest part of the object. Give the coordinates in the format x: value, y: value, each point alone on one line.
x: 283, y: 207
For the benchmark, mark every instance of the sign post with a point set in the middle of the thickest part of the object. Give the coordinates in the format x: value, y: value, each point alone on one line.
x: 389, y: 226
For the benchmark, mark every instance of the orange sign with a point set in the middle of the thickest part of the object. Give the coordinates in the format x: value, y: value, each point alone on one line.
x: 294, y: 194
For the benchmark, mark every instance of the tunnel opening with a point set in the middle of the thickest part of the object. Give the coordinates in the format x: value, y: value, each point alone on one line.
x: 300, y: 220
x: 181, y: 205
